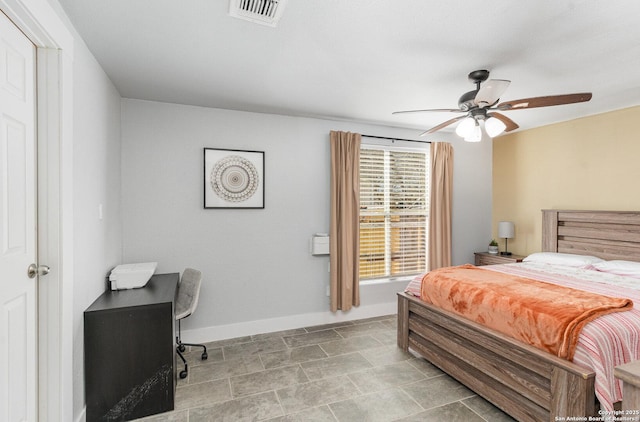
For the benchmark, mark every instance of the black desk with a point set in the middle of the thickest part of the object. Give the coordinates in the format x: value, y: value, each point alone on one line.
x: 129, y: 351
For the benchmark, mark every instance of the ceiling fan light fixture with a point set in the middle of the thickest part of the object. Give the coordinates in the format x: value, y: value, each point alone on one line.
x: 475, y: 135
x: 494, y: 126
x: 465, y: 127
x: 480, y: 107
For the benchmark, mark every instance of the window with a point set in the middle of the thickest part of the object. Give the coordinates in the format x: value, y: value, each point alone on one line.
x: 394, y: 210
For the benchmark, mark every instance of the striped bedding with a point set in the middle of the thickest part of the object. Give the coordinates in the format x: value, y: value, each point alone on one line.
x: 604, y: 343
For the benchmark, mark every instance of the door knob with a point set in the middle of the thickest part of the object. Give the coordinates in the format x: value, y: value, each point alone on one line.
x: 35, y: 270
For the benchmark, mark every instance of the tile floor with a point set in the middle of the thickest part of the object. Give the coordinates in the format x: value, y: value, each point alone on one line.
x: 344, y: 372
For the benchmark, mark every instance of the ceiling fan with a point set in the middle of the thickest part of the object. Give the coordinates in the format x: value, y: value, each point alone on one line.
x: 478, y: 108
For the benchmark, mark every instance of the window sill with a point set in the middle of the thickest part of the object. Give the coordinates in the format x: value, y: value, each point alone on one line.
x: 387, y: 280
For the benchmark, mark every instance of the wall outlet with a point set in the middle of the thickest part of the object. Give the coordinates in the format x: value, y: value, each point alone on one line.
x: 328, y: 290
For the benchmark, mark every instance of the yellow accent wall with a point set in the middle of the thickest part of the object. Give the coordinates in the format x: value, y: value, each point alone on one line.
x: 588, y: 163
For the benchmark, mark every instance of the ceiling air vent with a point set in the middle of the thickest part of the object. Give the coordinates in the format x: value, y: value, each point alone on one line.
x: 265, y: 12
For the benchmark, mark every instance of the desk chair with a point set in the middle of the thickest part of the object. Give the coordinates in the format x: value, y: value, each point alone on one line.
x: 188, y: 293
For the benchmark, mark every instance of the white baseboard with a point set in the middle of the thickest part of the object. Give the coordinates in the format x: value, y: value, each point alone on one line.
x: 221, y: 332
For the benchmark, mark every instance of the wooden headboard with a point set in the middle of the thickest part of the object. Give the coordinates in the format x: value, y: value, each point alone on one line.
x: 605, y: 234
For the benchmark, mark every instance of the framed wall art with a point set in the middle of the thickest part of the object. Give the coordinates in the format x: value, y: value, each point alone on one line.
x: 233, y: 178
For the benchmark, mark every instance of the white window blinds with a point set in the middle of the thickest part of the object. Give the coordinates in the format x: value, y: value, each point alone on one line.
x: 394, y: 192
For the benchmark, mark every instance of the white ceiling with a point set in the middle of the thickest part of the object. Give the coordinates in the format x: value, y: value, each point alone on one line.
x: 363, y: 59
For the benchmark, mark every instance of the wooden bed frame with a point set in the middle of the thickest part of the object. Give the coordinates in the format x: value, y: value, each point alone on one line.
x: 523, y: 381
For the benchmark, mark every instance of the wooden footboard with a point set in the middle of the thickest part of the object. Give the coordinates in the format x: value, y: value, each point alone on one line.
x: 526, y: 383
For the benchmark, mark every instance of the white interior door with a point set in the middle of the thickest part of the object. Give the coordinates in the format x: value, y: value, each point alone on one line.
x: 18, y: 295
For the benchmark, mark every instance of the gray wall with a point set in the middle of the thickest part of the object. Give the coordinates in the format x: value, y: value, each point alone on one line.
x: 256, y: 263
x: 95, y: 169
x: 96, y: 182
x: 142, y: 162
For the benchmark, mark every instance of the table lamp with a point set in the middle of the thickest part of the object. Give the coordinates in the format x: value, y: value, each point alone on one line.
x: 506, y: 230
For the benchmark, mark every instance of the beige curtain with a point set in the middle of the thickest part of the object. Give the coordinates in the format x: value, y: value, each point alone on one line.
x: 345, y: 225
x: 440, y: 205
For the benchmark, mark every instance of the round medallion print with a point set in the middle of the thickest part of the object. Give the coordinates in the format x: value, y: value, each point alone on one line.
x: 234, y: 178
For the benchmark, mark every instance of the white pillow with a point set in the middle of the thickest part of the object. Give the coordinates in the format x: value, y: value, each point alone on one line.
x: 630, y: 268
x: 566, y: 259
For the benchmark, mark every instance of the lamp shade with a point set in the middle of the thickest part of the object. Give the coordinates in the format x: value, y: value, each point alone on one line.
x: 506, y: 230
x: 475, y: 135
x: 494, y: 127
x: 465, y: 127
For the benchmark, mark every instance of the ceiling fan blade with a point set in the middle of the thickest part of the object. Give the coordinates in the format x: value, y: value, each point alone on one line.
x: 442, y: 125
x: 551, y: 100
x: 490, y: 92
x: 511, y: 125
x: 453, y: 110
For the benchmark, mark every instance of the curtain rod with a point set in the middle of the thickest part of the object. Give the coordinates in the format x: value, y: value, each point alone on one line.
x: 395, y: 139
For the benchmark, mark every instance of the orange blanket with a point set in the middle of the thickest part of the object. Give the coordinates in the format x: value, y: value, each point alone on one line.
x: 544, y: 315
